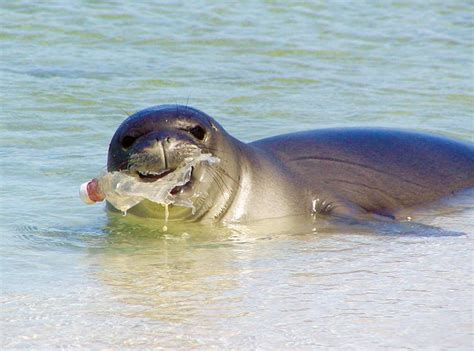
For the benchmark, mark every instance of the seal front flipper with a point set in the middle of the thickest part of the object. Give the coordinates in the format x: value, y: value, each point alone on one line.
x: 337, y: 206
x: 377, y: 222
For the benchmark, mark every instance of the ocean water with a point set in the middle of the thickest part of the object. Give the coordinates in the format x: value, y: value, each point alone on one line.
x: 74, y: 277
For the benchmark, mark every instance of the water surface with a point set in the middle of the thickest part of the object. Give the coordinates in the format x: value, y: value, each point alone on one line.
x: 73, y: 277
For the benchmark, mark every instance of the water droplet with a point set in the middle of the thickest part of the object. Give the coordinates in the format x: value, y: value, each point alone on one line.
x: 167, y: 213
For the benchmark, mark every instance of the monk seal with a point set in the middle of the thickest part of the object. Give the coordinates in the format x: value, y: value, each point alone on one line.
x: 355, y: 172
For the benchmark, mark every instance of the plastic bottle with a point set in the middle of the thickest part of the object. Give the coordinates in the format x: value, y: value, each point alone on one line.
x: 90, y: 192
x: 124, y: 191
x: 115, y: 187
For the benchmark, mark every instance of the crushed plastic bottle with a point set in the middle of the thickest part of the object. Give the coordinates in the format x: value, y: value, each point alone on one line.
x: 124, y: 191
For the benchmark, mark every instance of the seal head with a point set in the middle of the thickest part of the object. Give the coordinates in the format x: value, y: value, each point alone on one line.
x: 154, y: 142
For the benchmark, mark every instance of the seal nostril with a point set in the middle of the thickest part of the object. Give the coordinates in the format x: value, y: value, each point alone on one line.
x: 168, y: 139
x: 128, y: 141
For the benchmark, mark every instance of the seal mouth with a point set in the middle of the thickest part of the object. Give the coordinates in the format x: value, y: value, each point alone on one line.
x: 180, y: 188
x: 152, y: 176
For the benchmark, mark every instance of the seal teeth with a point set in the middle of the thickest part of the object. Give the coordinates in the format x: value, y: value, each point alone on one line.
x: 148, y: 175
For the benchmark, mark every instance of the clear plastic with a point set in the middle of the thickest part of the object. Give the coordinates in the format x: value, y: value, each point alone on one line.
x: 124, y: 191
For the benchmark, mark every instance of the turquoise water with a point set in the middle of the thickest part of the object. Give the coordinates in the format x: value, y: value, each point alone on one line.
x: 73, y: 277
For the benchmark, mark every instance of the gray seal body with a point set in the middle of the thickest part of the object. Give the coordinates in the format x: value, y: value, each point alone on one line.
x: 354, y: 172
x: 374, y: 170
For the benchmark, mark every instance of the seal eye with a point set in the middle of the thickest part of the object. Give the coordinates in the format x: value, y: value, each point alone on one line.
x: 198, y: 132
x: 128, y: 141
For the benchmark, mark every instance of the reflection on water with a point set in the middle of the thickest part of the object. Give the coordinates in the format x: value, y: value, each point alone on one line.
x: 200, y: 285
x: 74, y: 277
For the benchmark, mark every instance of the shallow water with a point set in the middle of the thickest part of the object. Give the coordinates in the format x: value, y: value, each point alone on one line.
x: 73, y: 277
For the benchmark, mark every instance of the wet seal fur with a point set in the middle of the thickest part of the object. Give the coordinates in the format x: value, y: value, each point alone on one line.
x: 348, y: 172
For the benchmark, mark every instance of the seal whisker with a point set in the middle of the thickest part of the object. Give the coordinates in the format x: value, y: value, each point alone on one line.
x: 218, y: 176
x: 122, y: 164
x: 187, y: 103
x: 224, y: 172
x: 218, y: 150
x: 218, y: 181
x: 128, y: 114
